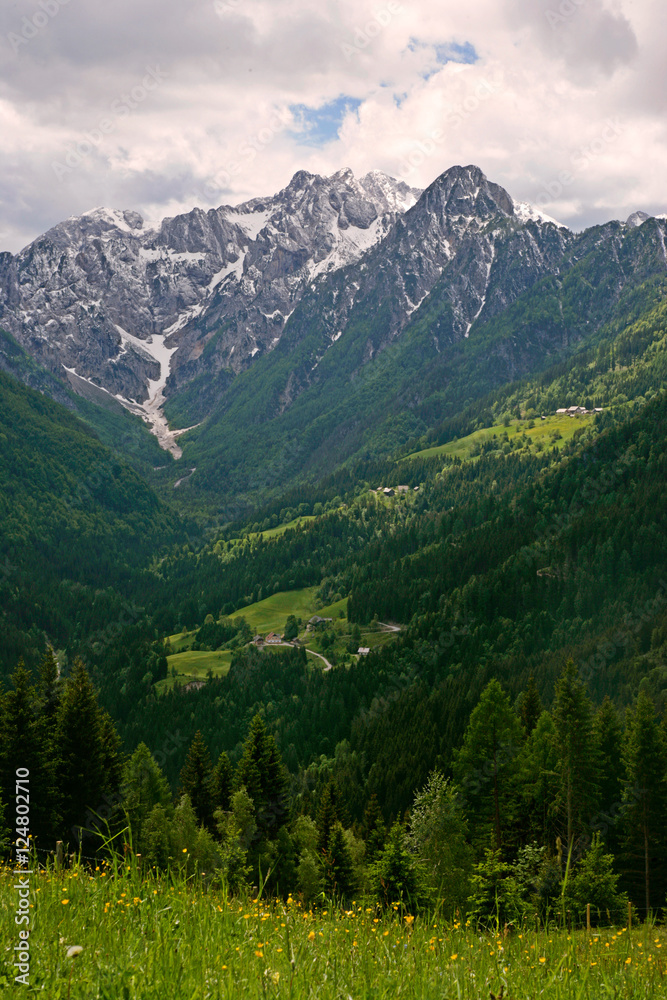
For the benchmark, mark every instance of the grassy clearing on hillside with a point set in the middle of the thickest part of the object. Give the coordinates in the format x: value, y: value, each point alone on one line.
x: 282, y: 528
x: 541, y: 432
x: 167, y: 938
x: 194, y: 665
x: 334, y: 610
x: 271, y: 614
x: 181, y: 640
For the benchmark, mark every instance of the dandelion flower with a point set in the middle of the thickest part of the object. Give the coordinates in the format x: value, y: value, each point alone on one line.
x: 311, y: 936
x: 64, y: 901
x: 542, y: 959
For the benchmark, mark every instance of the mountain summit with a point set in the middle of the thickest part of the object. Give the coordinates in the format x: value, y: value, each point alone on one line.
x: 151, y: 312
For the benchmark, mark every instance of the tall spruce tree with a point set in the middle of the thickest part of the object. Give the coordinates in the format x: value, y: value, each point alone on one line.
x: 262, y: 772
x: 49, y: 687
x: 196, y: 780
x: 327, y: 815
x: 374, y: 828
x: 144, y: 787
x: 338, y: 868
x: 645, y: 795
x: 25, y: 743
x: 539, y: 781
x: 87, y: 778
x: 608, y: 733
x: 485, y: 767
x: 222, y: 783
x: 576, y: 750
x: 531, y: 706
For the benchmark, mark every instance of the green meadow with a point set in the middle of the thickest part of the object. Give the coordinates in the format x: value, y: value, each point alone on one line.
x: 117, y: 932
x: 271, y: 614
x: 194, y: 665
x: 552, y: 432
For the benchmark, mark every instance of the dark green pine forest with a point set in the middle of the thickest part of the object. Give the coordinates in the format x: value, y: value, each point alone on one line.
x: 503, y: 751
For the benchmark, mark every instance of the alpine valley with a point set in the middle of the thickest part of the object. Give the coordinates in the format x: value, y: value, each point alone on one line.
x: 347, y: 504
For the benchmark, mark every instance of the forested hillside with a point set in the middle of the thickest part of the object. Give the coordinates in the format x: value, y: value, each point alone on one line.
x: 78, y: 525
x: 324, y: 397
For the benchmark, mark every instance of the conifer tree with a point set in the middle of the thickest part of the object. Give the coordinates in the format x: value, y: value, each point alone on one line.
x: 327, y: 816
x: 24, y: 743
x: 608, y: 733
x: 539, y: 780
x: 262, y: 772
x: 376, y: 831
x: 222, y: 783
x: 398, y: 875
x: 49, y: 686
x: 83, y: 748
x: 531, y: 706
x: 196, y: 780
x: 144, y: 787
x: 576, y: 750
x: 645, y: 795
x: 338, y: 868
x: 485, y: 767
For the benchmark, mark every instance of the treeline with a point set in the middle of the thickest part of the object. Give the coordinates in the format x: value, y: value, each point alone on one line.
x: 541, y: 811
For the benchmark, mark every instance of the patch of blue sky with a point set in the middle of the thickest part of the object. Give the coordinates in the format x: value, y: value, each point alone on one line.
x: 319, y: 126
x: 453, y: 52
x: 444, y: 52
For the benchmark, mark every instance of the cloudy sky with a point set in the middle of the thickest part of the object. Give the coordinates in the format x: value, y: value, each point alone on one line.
x: 160, y: 105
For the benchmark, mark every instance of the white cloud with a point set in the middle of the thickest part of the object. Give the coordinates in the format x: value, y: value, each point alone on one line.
x: 533, y: 111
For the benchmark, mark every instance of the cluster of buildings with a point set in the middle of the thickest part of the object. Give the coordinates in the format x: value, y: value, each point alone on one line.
x: 272, y: 639
x: 577, y: 411
x: 387, y: 491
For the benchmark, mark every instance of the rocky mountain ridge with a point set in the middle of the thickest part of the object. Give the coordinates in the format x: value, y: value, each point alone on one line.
x: 111, y: 300
x: 145, y: 311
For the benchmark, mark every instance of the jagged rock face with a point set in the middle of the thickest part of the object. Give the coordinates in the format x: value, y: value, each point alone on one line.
x: 314, y: 226
x: 94, y: 293
x: 143, y: 309
x: 464, y: 250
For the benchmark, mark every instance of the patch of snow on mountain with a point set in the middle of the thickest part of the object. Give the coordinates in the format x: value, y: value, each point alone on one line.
x: 251, y: 223
x: 525, y: 212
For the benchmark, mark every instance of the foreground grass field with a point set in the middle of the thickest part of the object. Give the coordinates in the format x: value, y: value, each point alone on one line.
x: 166, y: 938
